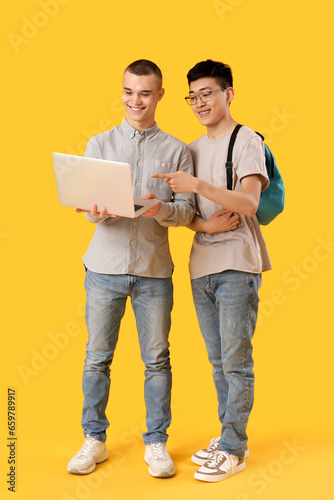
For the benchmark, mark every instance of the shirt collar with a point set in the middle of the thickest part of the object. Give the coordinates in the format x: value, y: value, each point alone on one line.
x: 131, y: 132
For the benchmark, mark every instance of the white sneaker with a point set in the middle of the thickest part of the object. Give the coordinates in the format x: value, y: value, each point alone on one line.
x: 159, y: 462
x: 221, y: 466
x: 202, y: 456
x: 92, y: 452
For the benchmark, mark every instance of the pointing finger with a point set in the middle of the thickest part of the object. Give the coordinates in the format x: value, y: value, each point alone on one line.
x: 161, y: 176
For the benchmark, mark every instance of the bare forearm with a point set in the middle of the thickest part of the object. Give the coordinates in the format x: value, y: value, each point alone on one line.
x: 197, y: 224
x: 243, y: 202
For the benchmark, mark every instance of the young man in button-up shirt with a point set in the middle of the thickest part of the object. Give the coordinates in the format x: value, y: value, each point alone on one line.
x: 131, y: 258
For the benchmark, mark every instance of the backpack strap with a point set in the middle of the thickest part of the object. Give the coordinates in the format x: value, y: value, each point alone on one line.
x: 229, y: 162
x: 271, y: 167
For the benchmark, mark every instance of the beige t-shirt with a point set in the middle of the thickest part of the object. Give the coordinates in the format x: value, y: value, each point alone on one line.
x: 243, y: 249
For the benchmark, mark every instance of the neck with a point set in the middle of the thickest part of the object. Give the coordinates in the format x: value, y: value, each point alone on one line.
x: 222, y: 128
x: 139, y: 125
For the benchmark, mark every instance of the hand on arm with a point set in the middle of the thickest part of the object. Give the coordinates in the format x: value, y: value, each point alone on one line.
x: 220, y: 221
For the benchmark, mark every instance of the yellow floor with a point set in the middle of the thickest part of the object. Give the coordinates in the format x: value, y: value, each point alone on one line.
x: 280, y: 467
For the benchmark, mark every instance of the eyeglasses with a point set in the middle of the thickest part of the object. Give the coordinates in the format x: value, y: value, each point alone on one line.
x: 203, y: 96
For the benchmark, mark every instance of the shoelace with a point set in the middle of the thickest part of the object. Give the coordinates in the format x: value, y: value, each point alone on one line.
x: 158, y: 451
x: 87, y: 447
x: 213, y: 447
x: 217, y: 456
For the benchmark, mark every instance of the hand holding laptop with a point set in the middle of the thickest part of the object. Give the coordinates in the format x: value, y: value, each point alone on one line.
x: 88, y: 184
x: 153, y: 210
x: 93, y: 211
x: 149, y: 213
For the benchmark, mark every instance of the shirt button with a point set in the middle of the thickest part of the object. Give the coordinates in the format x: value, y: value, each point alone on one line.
x: 131, y: 242
x: 163, y: 164
x: 134, y: 223
x: 137, y: 184
x: 138, y: 163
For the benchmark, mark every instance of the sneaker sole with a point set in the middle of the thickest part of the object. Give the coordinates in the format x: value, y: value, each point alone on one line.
x: 161, y: 474
x: 214, y: 478
x: 101, y: 459
x: 201, y: 461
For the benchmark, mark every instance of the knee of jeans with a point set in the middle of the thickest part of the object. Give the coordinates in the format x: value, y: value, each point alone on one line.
x: 216, y: 361
x: 239, y: 365
x: 97, y: 361
x: 156, y: 360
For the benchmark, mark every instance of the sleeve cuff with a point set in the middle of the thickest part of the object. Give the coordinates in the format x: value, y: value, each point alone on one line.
x: 163, y: 212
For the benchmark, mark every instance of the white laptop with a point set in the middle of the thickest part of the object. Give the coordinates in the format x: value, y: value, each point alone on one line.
x: 82, y: 181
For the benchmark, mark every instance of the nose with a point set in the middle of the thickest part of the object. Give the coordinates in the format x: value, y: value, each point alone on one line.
x: 136, y: 98
x: 199, y: 103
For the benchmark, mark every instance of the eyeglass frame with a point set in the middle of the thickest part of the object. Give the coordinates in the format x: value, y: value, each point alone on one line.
x: 188, y: 97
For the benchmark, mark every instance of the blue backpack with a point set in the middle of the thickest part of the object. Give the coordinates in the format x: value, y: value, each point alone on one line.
x: 272, y: 199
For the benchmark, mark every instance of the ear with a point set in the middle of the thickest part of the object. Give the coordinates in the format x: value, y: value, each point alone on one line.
x: 161, y: 94
x: 229, y: 95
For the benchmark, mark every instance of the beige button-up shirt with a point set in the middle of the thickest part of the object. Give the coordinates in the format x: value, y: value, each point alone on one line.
x: 140, y: 246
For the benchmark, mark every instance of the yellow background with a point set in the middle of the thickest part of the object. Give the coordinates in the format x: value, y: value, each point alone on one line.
x: 61, y: 83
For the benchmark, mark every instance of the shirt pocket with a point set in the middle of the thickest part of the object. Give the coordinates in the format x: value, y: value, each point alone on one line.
x: 159, y: 186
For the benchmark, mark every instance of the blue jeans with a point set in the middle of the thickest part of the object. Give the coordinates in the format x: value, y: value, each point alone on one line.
x: 226, y: 305
x: 152, y: 302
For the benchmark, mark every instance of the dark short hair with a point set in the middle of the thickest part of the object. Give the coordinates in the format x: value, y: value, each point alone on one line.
x: 221, y: 72
x: 144, y: 67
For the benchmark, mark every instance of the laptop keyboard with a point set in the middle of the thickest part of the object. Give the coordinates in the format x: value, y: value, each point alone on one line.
x: 137, y: 207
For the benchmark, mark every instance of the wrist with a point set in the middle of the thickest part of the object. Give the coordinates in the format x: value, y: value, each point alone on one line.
x: 207, y: 228
x: 200, y: 225
x: 156, y: 208
x: 197, y: 185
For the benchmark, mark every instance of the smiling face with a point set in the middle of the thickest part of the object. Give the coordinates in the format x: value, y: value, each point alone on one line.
x: 213, y: 113
x: 140, y: 97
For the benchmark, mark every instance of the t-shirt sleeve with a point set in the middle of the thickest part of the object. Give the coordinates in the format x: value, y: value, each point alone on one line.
x: 251, y: 160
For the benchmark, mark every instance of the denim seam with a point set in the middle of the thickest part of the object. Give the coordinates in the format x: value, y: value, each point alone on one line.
x: 247, y: 390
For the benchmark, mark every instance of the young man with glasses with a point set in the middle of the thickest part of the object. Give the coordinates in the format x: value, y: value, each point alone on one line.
x: 226, y: 266
x: 131, y: 258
